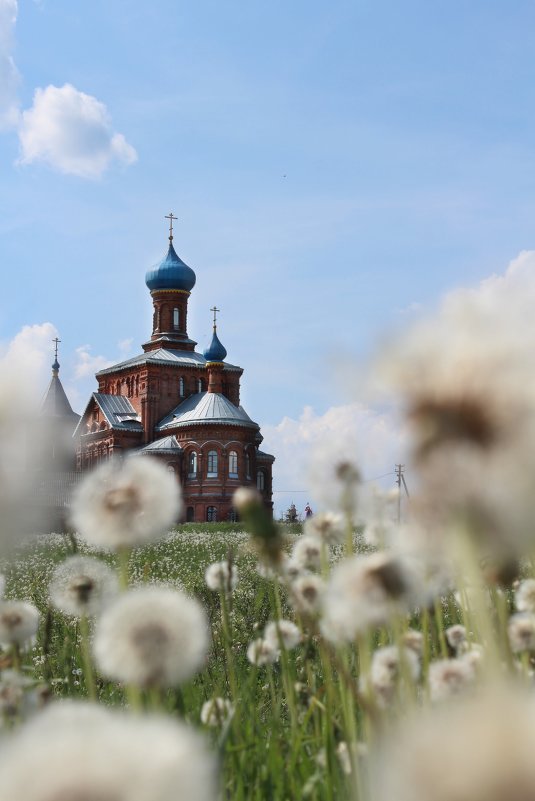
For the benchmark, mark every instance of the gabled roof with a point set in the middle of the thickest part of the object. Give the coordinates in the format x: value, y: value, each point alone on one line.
x: 206, y: 408
x: 178, y: 358
x: 117, y: 410
x: 165, y: 445
x: 56, y: 404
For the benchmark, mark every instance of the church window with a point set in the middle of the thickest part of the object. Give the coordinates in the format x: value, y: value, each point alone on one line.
x: 190, y: 514
x: 233, y: 464
x: 199, y: 385
x: 181, y: 386
x: 260, y: 481
x: 176, y: 319
x: 170, y: 468
x: 192, y: 465
x: 211, y: 514
x: 232, y: 516
x: 212, y: 464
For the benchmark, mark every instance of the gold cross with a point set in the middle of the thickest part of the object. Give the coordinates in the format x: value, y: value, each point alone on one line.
x: 214, y: 309
x: 170, y: 217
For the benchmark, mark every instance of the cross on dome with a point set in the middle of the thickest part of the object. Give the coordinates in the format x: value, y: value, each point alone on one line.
x: 170, y: 217
x: 214, y: 309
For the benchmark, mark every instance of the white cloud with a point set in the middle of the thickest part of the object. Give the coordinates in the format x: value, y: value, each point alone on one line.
x: 9, y: 76
x: 88, y: 365
x: 308, y: 448
x: 26, y: 361
x: 125, y: 346
x: 71, y: 132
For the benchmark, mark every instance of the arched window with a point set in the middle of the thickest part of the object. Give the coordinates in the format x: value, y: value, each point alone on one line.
x: 232, y: 516
x: 260, y: 481
x: 190, y: 514
x: 233, y: 464
x: 176, y: 319
x: 199, y: 385
x: 170, y: 468
x: 181, y: 386
x: 192, y: 465
x: 211, y: 514
x: 247, y: 466
x: 211, y: 471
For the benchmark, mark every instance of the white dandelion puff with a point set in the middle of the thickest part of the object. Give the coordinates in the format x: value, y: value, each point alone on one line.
x: 456, y: 637
x: 18, y: 622
x: 151, y: 636
x: 389, y: 666
x: 306, y: 552
x: 82, y: 586
x: 525, y: 596
x: 216, y: 712
x: 80, y: 751
x: 261, y: 652
x: 521, y: 631
x: 282, y: 632
x: 449, y: 677
x: 365, y: 591
x: 128, y: 503
x: 328, y: 527
x: 306, y: 594
x: 221, y: 576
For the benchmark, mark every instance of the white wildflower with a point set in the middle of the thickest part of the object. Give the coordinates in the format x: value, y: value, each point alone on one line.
x: 216, y: 711
x: 521, y: 631
x: 525, y: 596
x: 82, y: 586
x: 307, y: 552
x: 282, y: 632
x: 80, y: 751
x: 306, y: 594
x: 127, y: 503
x: 18, y: 622
x: 328, y: 527
x: 365, y: 591
x: 449, y: 677
x: 221, y: 576
x: 261, y: 652
x: 151, y: 636
x: 456, y: 637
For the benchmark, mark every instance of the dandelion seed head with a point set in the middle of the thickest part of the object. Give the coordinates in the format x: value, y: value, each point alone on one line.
x: 127, y: 503
x: 306, y: 594
x: 151, y: 636
x: 261, y: 652
x: 282, y: 631
x: 221, y: 576
x: 525, y: 596
x: 82, y: 585
x: 89, y: 753
x: 328, y: 527
x: 521, y: 631
x: 18, y: 622
x: 216, y: 712
x: 449, y: 677
x: 456, y: 637
x: 306, y: 552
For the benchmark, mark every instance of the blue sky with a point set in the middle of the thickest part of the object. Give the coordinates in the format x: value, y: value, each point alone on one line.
x: 334, y: 166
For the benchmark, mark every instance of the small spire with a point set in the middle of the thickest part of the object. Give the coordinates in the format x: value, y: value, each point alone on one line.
x: 170, y: 217
x: 55, y: 366
x: 214, y: 309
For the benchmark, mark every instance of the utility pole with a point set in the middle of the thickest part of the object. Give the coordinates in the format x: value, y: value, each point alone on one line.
x: 400, y: 479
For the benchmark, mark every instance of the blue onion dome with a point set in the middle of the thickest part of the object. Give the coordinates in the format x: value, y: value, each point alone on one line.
x: 171, y: 273
x: 216, y: 352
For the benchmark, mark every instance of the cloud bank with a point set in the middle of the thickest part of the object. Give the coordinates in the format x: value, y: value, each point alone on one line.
x: 71, y: 131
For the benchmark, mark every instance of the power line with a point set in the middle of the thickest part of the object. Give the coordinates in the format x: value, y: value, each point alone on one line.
x: 365, y: 481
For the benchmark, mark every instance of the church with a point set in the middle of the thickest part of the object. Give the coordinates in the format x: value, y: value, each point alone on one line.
x: 179, y: 406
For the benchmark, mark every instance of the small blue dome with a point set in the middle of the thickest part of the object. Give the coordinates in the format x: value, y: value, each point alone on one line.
x: 216, y: 352
x: 171, y: 273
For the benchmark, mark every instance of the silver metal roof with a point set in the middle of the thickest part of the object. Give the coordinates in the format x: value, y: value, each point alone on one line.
x: 178, y: 358
x: 117, y: 410
x: 163, y: 445
x: 206, y: 408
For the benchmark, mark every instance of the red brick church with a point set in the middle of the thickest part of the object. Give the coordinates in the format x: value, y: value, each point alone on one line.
x: 178, y: 405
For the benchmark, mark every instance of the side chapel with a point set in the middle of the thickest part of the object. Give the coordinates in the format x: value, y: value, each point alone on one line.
x: 178, y: 405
